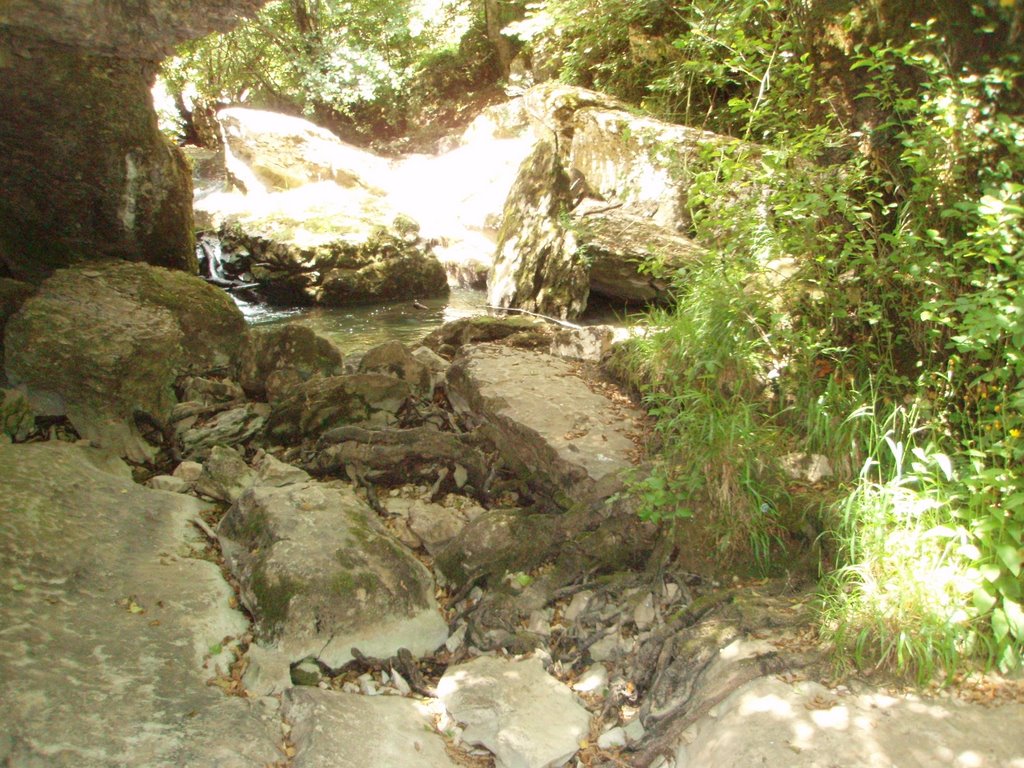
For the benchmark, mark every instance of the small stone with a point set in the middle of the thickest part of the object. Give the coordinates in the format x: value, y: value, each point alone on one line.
x: 168, y: 483
x: 307, y: 672
x: 457, y: 638
x: 540, y: 623
x: 644, y: 613
x: 671, y: 592
x: 400, y: 683
x: 577, y: 606
x: 593, y: 680
x: 367, y: 685
x: 635, y: 731
x: 610, y: 647
x: 189, y: 471
x: 613, y: 737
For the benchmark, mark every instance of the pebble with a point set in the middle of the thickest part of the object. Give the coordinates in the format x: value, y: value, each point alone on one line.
x: 644, y: 614
x: 577, y: 606
x: 593, y: 680
x: 189, y: 471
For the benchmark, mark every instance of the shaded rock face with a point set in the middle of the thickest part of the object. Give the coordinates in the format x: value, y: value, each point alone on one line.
x: 100, y: 342
x: 107, y: 623
x: 320, y: 578
x: 537, y: 265
x: 13, y: 294
x: 86, y: 173
x: 601, y: 205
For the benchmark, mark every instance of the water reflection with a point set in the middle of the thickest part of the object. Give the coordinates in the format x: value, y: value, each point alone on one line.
x: 357, y: 329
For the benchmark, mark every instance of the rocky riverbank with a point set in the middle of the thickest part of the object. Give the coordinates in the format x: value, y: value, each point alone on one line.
x: 422, y: 559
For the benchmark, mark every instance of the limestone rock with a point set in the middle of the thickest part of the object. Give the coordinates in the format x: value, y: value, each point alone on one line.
x: 537, y: 265
x: 392, y: 358
x: 320, y: 577
x: 103, y: 341
x: 225, y: 476
x: 316, y: 406
x: 148, y: 30
x: 114, y: 621
x: 565, y: 439
x: 334, y: 246
x: 92, y: 178
x: 294, y: 348
x: 631, y: 258
x: 235, y: 426
x: 865, y: 729
x: 271, y: 151
x: 342, y: 730
x: 516, y: 710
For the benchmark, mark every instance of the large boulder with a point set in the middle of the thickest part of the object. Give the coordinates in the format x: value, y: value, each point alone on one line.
x: 320, y: 576
x: 86, y: 173
x: 268, y: 151
x: 569, y: 440
x: 327, y: 244
x: 538, y: 265
x: 102, y: 343
x: 111, y: 628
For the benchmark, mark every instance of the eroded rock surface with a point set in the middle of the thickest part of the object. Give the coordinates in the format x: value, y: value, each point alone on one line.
x: 320, y: 577
x: 566, y: 439
x: 527, y: 718
x: 102, y: 342
x: 343, y: 730
x: 108, y: 625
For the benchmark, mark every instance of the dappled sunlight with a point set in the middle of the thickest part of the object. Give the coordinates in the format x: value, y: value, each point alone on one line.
x: 771, y: 722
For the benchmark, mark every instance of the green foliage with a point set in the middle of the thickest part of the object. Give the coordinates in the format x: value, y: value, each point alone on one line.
x: 874, y: 277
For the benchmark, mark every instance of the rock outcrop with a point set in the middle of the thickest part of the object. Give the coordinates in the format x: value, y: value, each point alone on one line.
x: 567, y: 440
x: 111, y: 627
x: 320, y: 577
x: 601, y: 206
x: 86, y: 173
x: 105, y: 342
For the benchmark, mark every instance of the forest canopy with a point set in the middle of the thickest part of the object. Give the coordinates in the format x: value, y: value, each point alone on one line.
x: 882, y: 309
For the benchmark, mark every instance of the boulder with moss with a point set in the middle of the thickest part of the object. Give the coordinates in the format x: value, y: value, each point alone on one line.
x: 320, y: 576
x: 104, y: 343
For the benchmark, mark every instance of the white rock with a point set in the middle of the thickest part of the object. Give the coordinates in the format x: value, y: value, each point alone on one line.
x: 577, y: 606
x: 400, y: 683
x: 644, y: 613
x: 593, y: 680
x: 457, y: 638
x: 540, y: 622
x: 527, y: 718
x: 189, y: 471
x: 268, y: 671
x: 635, y: 731
x: 613, y: 737
x: 338, y: 730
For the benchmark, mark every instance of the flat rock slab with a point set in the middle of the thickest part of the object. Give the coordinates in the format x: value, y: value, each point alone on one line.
x: 527, y: 718
x: 805, y: 725
x: 344, y: 730
x: 105, y: 622
x: 568, y: 440
x: 320, y: 575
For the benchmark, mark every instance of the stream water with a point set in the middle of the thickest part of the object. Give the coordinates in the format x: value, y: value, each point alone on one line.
x: 356, y: 329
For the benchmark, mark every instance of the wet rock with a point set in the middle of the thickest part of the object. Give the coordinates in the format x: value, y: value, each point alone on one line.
x: 342, y: 730
x: 293, y: 352
x: 235, y: 426
x: 320, y: 576
x: 566, y: 440
x: 516, y: 710
x: 95, y: 583
x: 316, y: 406
x: 393, y: 359
x: 102, y: 342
